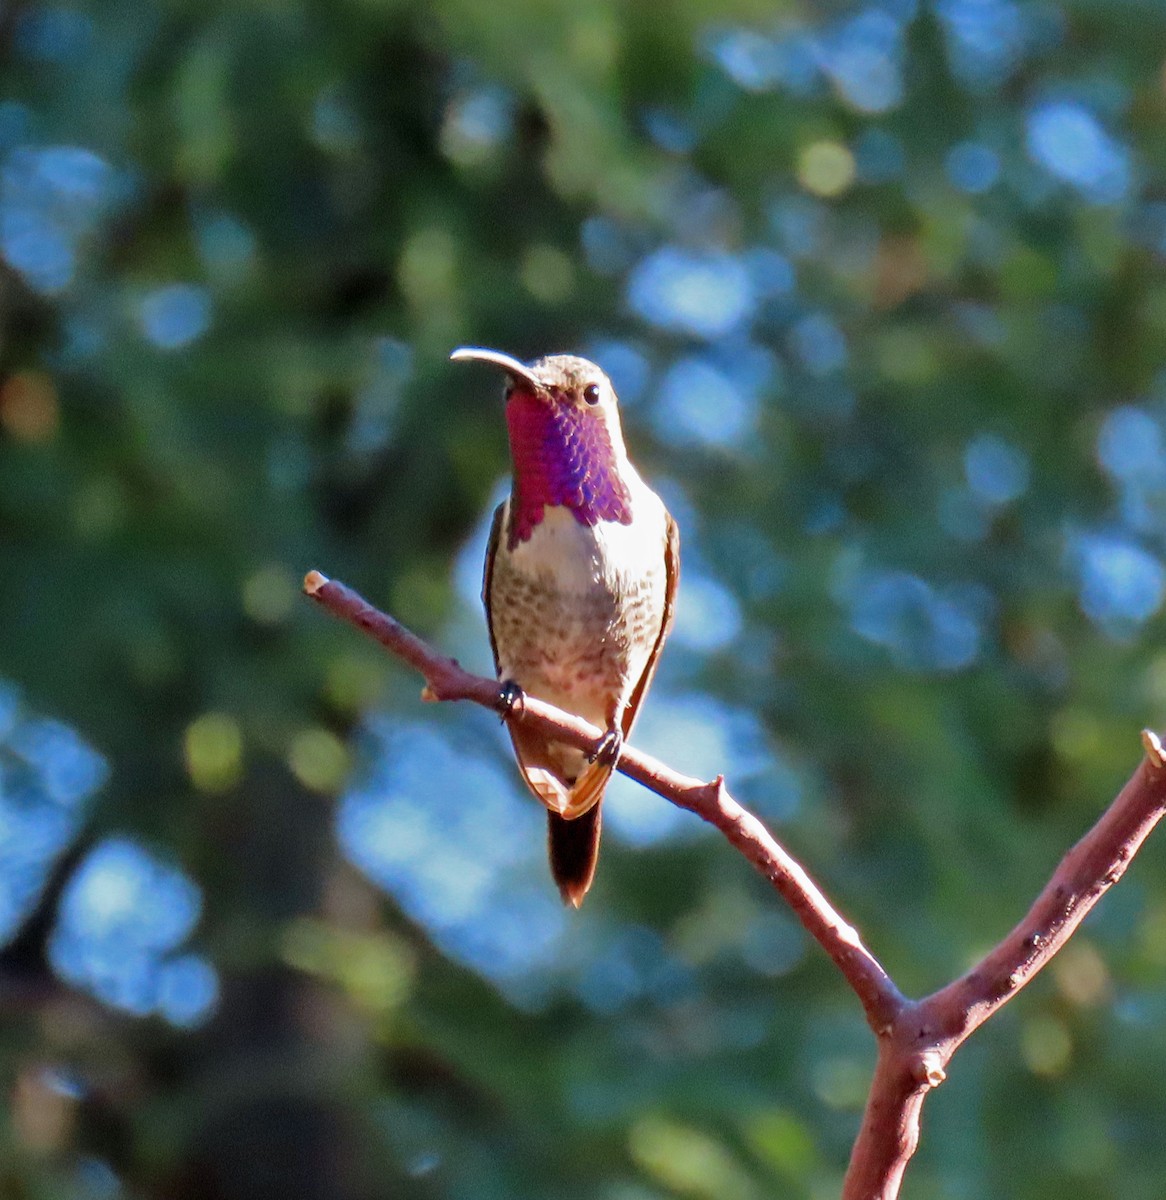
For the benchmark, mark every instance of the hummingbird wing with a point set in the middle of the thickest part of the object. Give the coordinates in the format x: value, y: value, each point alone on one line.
x: 530, y: 750
x: 672, y: 580
x: 574, y: 843
x: 589, y: 788
x: 492, y: 543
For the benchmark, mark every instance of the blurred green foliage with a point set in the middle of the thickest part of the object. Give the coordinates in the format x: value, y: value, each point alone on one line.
x: 882, y: 288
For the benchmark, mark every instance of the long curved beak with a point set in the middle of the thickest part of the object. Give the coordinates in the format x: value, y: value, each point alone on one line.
x: 512, y: 367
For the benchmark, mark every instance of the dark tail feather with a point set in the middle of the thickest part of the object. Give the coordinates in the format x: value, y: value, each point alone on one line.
x: 574, y: 851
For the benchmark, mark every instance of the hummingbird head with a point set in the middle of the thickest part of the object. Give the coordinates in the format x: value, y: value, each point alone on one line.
x: 565, y: 440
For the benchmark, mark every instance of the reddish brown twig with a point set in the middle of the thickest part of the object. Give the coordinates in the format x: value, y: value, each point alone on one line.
x: 916, y: 1039
x: 914, y: 1054
x: 446, y: 680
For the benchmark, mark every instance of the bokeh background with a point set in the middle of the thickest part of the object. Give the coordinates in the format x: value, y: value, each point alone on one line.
x: 881, y: 287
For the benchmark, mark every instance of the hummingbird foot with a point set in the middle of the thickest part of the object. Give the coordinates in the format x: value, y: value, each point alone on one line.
x: 608, y: 749
x: 511, y: 699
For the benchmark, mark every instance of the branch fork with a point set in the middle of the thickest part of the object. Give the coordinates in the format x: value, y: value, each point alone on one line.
x: 916, y: 1038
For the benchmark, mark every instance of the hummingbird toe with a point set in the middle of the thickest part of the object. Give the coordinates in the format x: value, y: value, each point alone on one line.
x: 511, y: 698
x: 608, y: 749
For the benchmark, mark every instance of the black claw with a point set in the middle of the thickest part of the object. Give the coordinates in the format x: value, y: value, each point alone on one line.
x: 608, y: 750
x: 510, y: 698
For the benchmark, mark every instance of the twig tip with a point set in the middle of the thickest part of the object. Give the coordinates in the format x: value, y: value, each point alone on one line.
x: 1152, y: 745
x: 313, y: 582
x: 931, y: 1069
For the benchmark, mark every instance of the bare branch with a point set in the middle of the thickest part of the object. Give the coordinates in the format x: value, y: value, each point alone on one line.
x: 1084, y: 875
x: 446, y: 680
x: 916, y: 1039
x: 927, y: 1033
x: 889, y: 1134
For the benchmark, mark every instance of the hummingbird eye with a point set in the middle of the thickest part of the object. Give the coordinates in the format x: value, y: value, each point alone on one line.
x: 591, y: 393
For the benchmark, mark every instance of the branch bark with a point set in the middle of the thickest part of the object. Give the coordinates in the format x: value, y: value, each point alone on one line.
x: 916, y: 1038
x: 446, y: 680
x: 913, y: 1057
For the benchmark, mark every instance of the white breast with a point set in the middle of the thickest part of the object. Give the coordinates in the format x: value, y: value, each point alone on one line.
x: 576, y: 557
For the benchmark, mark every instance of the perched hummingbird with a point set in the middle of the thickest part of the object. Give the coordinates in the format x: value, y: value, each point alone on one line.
x: 579, y: 588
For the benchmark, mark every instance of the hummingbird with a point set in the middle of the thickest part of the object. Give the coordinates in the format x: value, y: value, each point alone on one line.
x: 579, y: 588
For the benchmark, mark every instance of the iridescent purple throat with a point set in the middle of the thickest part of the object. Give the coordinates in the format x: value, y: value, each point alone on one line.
x: 562, y: 456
